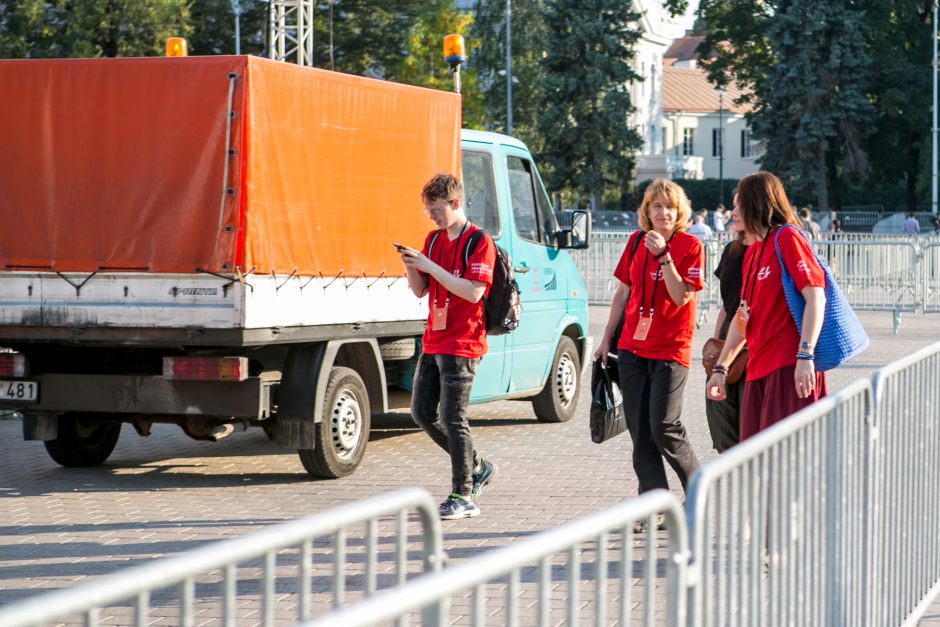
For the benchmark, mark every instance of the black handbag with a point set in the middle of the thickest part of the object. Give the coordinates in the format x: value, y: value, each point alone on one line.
x: 607, y: 417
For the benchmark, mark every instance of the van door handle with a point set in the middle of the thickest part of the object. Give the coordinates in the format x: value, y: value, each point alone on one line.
x: 520, y: 269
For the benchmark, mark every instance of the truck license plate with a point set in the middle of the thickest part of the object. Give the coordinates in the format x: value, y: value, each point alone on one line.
x: 19, y: 391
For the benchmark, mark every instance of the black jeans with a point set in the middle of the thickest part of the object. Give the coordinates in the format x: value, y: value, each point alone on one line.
x: 652, y: 401
x: 439, y: 398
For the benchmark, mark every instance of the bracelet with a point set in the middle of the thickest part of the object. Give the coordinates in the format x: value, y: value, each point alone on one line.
x: 805, y: 356
x: 666, y: 249
x: 665, y: 262
x: 807, y: 347
x: 716, y: 369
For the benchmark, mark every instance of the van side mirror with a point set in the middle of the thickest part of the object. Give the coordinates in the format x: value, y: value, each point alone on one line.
x: 579, y: 235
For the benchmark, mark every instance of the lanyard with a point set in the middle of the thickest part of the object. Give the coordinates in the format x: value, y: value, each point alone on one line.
x: 453, y: 264
x: 751, y: 281
x: 655, y: 282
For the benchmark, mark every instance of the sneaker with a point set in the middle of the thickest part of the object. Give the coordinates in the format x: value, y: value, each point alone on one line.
x: 482, y: 477
x: 456, y: 507
x: 640, y: 525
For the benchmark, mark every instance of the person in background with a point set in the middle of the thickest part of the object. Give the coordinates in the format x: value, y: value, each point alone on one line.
x: 936, y: 223
x: 911, y: 226
x: 781, y: 375
x: 720, y: 219
x: 658, y: 275
x: 699, y: 229
x: 454, y: 339
x: 835, y: 224
x: 807, y: 224
x: 724, y: 416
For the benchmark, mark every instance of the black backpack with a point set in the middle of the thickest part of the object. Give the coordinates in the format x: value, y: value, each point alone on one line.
x: 502, y: 307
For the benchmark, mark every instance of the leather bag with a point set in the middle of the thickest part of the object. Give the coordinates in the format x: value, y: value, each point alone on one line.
x: 710, y: 353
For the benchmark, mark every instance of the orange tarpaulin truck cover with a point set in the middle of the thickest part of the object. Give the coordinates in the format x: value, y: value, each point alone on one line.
x: 215, y: 163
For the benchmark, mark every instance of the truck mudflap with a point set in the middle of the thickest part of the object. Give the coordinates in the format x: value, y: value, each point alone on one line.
x: 135, y: 394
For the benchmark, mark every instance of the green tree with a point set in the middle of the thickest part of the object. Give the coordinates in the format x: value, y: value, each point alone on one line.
x: 589, y: 143
x: 90, y: 28
x: 804, y: 65
x: 901, y: 58
x: 530, y: 38
x: 813, y: 111
x: 213, y: 27
x: 422, y: 62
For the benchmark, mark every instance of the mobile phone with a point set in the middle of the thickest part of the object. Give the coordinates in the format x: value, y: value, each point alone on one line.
x: 398, y: 246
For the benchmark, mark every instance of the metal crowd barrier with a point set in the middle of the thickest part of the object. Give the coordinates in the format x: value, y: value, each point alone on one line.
x: 905, y: 544
x: 777, y: 523
x: 930, y: 294
x: 601, y: 564
x: 877, y: 273
x: 252, y: 573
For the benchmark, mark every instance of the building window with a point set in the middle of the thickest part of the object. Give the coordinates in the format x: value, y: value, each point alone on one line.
x: 688, y: 142
x: 716, y: 142
x: 748, y: 146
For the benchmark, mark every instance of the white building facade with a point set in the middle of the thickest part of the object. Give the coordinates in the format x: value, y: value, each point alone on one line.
x: 659, y: 29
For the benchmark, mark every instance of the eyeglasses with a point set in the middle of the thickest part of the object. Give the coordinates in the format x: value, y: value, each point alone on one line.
x: 659, y: 207
x: 436, y: 211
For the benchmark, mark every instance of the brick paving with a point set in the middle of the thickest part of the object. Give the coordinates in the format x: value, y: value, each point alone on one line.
x: 165, y: 494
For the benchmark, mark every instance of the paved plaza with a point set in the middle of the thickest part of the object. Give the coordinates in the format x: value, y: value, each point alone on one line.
x: 165, y: 494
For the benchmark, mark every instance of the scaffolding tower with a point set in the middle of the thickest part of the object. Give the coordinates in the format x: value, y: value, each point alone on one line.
x: 290, y: 35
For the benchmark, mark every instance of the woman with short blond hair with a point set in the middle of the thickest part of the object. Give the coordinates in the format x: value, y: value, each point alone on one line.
x: 659, y: 272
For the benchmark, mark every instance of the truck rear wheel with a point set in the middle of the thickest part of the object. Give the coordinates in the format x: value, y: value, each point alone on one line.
x: 343, y: 433
x: 84, y: 440
x: 559, y: 398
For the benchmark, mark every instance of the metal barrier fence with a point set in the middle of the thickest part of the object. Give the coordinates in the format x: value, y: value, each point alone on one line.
x: 930, y: 294
x: 523, y: 573
x: 776, y: 524
x: 905, y: 544
x: 250, y: 574
x: 877, y: 273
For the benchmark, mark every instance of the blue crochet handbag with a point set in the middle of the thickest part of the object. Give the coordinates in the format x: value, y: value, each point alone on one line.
x: 842, y: 336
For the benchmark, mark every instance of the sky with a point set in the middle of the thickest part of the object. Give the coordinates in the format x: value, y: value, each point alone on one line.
x: 689, y: 18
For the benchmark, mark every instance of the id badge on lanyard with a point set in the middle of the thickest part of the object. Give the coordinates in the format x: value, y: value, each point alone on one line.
x: 439, y: 318
x: 742, y: 315
x: 642, y: 329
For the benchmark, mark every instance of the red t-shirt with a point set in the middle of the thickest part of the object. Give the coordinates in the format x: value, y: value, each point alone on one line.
x: 465, y: 333
x: 670, y: 332
x: 772, y: 338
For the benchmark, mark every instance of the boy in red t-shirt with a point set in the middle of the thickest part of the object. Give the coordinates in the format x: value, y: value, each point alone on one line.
x: 454, y: 339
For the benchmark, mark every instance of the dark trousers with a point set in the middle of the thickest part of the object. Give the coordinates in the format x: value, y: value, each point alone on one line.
x: 724, y: 417
x: 439, y: 398
x: 652, y: 402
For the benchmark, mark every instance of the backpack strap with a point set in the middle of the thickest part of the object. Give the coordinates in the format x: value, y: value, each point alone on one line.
x: 636, y: 242
x: 471, y: 245
x: 434, y: 237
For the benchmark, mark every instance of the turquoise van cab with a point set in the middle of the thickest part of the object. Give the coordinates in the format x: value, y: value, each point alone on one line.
x: 541, y: 359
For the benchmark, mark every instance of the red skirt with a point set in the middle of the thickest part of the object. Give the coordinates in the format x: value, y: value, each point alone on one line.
x: 770, y: 399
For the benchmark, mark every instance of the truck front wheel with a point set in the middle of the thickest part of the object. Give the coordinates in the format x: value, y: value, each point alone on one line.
x: 559, y: 398
x: 83, y: 440
x: 343, y: 433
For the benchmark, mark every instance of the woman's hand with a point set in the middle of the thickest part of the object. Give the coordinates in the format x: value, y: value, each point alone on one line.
x: 654, y: 242
x: 600, y: 353
x: 804, y: 377
x: 715, y: 388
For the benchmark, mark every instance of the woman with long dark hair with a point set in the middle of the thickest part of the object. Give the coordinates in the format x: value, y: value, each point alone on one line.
x: 781, y: 375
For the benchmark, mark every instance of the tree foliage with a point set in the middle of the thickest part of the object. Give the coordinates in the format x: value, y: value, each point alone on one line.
x: 529, y: 39
x: 589, y: 143
x: 840, y: 89
x: 90, y: 28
